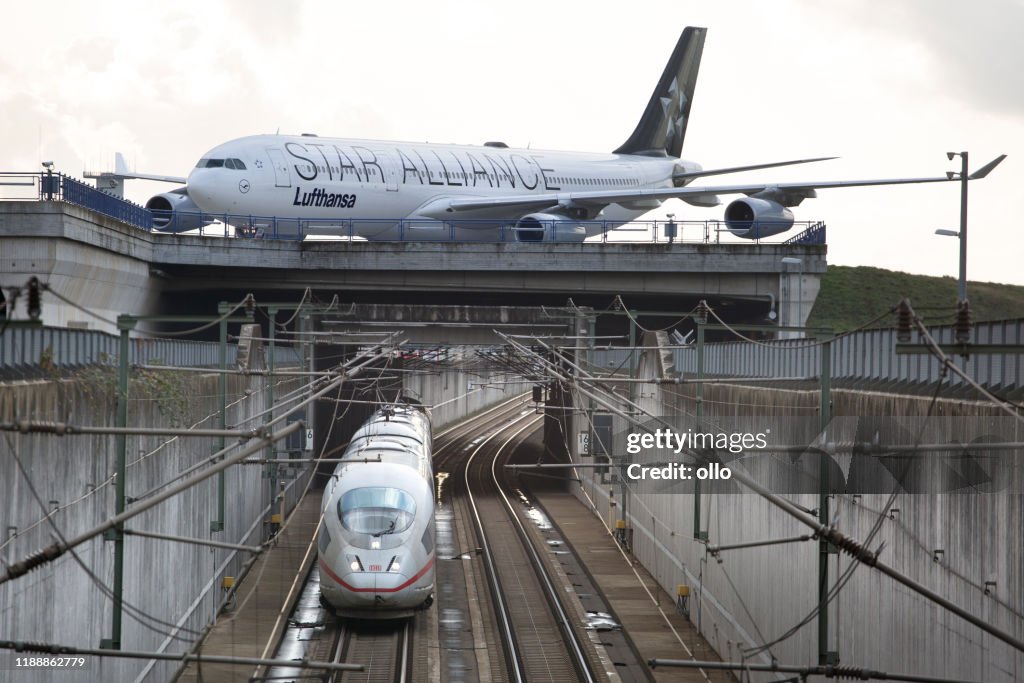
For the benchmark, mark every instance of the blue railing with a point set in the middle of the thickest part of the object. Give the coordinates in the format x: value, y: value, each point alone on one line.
x: 65, y: 188
x: 815, y: 234
x: 45, y: 186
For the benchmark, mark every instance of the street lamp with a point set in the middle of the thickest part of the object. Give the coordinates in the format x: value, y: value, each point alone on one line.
x: 794, y: 261
x: 963, y: 220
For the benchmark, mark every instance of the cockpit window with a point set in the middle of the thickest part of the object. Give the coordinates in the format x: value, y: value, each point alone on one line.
x: 376, y: 510
x: 235, y: 164
x: 210, y: 163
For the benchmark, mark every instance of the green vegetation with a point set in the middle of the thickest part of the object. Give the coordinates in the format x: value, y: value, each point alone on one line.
x: 851, y: 296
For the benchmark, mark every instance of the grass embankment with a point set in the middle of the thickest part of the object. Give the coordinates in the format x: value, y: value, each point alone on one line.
x: 851, y: 296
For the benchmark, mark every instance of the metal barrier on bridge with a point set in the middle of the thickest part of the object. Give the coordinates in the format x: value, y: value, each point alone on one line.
x: 424, y: 230
x: 59, y: 187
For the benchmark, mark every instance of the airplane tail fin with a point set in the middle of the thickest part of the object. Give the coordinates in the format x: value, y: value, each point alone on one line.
x: 120, y: 167
x: 663, y: 125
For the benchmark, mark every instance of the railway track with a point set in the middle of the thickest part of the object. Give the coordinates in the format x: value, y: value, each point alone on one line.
x: 500, y: 612
x: 529, y: 633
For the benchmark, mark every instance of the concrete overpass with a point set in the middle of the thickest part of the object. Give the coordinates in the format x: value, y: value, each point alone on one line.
x: 110, y: 267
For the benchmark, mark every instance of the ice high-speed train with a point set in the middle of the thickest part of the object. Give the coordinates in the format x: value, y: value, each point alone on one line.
x: 376, y: 540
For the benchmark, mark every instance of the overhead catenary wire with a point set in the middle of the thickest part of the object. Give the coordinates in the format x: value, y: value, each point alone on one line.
x: 52, y: 552
x: 330, y: 386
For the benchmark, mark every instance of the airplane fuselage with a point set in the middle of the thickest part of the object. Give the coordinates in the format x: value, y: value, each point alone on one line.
x: 338, y: 179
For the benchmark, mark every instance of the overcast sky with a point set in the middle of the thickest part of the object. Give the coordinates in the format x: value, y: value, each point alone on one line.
x: 888, y: 87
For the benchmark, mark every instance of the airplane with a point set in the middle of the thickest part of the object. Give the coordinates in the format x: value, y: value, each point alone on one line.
x: 377, y: 189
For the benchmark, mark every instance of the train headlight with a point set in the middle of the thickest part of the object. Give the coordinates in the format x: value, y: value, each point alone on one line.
x: 354, y: 563
x: 395, y: 565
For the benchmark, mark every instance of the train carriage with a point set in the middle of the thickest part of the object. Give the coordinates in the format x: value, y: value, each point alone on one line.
x: 376, y: 541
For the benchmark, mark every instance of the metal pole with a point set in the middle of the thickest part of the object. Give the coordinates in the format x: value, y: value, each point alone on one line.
x: 270, y: 472
x: 701, y: 321
x: 194, y: 541
x: 222, y: 396
x: 125, y: 323
x: 963, y: 226
x: 800, y: 296
x: 633, y: 367
x: 824, y: 468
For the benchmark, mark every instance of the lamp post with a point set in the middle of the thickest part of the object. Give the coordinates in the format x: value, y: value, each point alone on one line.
x: 962, y: 294
x: 794, y: 261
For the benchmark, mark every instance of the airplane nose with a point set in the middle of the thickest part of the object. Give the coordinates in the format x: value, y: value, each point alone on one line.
x: 202, y: 188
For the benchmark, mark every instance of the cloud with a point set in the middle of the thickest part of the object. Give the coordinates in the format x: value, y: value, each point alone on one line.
x: 975, y: 45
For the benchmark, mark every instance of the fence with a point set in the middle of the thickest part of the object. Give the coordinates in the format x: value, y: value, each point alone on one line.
x: 428, y: 230
x: 869, y: 356
x: 59, y: 187
x: 68, y: 348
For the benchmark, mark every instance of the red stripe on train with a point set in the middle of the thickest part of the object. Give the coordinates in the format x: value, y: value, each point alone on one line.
x: 337, y: 579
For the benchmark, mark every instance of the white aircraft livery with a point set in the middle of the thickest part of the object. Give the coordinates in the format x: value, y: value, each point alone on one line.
x: 380, y: 190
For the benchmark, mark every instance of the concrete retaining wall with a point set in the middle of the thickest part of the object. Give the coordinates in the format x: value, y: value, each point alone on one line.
x: 172, y: 588
x: 757, y: 595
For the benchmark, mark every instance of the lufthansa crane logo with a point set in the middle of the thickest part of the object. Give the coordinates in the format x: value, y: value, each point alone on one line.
x: 243, y: 186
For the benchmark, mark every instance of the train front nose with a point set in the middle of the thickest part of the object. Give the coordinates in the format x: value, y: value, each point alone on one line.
x: 375, y: 590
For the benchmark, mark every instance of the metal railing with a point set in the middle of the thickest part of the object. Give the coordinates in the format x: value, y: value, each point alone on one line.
x: 425, y: 230
x: 869, y: 356
x: 59, y: 348
x: 59, y: 187
x: 815, y: 234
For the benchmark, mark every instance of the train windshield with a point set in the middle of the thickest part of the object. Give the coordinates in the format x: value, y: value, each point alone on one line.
x: 376, y: 510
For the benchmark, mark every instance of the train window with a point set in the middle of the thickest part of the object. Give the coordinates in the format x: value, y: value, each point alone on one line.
x: 376, y: 510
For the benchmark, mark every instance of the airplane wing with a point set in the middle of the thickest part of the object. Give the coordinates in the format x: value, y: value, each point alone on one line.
x: 736, y: 169
x: 121, y: 171
x: 787, y: 194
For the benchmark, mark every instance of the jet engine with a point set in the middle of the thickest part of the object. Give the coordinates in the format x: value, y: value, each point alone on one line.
x: 175, y: 211
x: 753, y: 218
x: 549, y: 227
